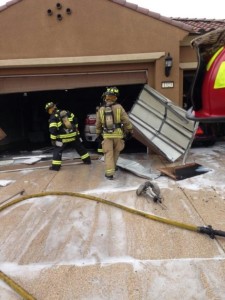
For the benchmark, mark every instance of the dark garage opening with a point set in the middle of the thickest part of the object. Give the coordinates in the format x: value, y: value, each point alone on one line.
x: 24, y: 120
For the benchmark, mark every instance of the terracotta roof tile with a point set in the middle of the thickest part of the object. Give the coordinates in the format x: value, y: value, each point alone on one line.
x: 194, y: 26
x: 201, y: 26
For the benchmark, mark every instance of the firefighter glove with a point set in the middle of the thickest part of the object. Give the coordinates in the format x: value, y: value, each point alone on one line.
x: 59, y: 143
x: 53, y: 142
x: 128, y: 136
x: 99, y: 138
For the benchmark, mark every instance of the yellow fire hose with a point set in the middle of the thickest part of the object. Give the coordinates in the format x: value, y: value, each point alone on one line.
x: 206, y: 230
x: 17, y: 288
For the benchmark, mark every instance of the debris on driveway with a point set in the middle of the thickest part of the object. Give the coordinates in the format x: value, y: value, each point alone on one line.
x: 184, y: 171
x: 137, y: 168
x: 6, y: 182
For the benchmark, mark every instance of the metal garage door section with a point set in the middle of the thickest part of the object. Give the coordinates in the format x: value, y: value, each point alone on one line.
x: 161, y: 125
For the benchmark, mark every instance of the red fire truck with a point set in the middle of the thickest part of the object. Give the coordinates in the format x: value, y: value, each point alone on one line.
x: 208, y: 88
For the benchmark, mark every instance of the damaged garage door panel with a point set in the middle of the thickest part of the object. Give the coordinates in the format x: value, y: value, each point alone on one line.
x: 161, y: 125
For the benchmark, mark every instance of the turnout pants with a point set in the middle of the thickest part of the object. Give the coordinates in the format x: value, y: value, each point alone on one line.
x: 79, y: 147
x: 111, y: 149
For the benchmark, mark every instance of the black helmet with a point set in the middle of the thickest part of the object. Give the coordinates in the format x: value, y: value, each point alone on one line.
x: 49, y: 105
x: 112, y: 91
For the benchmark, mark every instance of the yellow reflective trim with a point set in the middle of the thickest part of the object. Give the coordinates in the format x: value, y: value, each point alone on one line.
x: 68, y: 140
x: 118, y: 115
x: 112, y: 136
x: 110, y: 172
x: 57, y: 162
x: 67, y: 135
x: 102, y: 115
x: 52, y: 125
x: 212, y: 59
x: 85, y: 156
x: 220, y: 77
x: 117, y: 134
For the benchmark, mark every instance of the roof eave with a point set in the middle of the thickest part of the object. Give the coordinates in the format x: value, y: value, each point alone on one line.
x: 154, y: 15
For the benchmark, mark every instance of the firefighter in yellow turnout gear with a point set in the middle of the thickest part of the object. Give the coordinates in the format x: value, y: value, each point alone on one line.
x: 63, y: 128
x: 112, y: 124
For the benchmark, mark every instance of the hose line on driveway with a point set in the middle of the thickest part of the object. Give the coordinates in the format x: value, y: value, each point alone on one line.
x: 206, y: 230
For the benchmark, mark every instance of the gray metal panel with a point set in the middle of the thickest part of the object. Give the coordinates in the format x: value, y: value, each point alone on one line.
x: 162, y: 124
x: 137, y: 169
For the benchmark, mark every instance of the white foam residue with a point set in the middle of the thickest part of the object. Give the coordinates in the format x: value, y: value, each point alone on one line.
x: 6, y: 162
x: 113, y: 189
x: 166, y: 277
x: 86, y: 233
x: 13, y: 268
x: 76, y: 226
x: 203, y: 181
x: 6, y: 182
x: 26, y: 171
x: 138, y: 265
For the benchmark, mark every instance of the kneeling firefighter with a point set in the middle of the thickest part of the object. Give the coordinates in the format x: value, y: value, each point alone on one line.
x: 63, y: 128
x: 112, y: 125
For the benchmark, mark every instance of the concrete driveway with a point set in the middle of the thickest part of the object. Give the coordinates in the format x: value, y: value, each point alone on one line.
x: 65, y: 248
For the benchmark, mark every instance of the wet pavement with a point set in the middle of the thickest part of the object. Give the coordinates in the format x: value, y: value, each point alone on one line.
x: 67, y: 247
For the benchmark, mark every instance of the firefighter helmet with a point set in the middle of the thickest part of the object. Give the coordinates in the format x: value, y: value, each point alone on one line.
x: 113, y: 91
x: 49, y: 105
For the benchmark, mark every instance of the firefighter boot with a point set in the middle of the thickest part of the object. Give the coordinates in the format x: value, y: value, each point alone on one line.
x: 87, y: 161
x: 54, y: 168
x: 109, y: 177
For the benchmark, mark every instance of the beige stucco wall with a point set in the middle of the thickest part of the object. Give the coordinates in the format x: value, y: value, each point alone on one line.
x: 95, y: 28
x: 187, y: 55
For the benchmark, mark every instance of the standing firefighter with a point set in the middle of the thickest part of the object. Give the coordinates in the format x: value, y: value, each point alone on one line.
x: 63, y: 128
x: 112, y: 124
